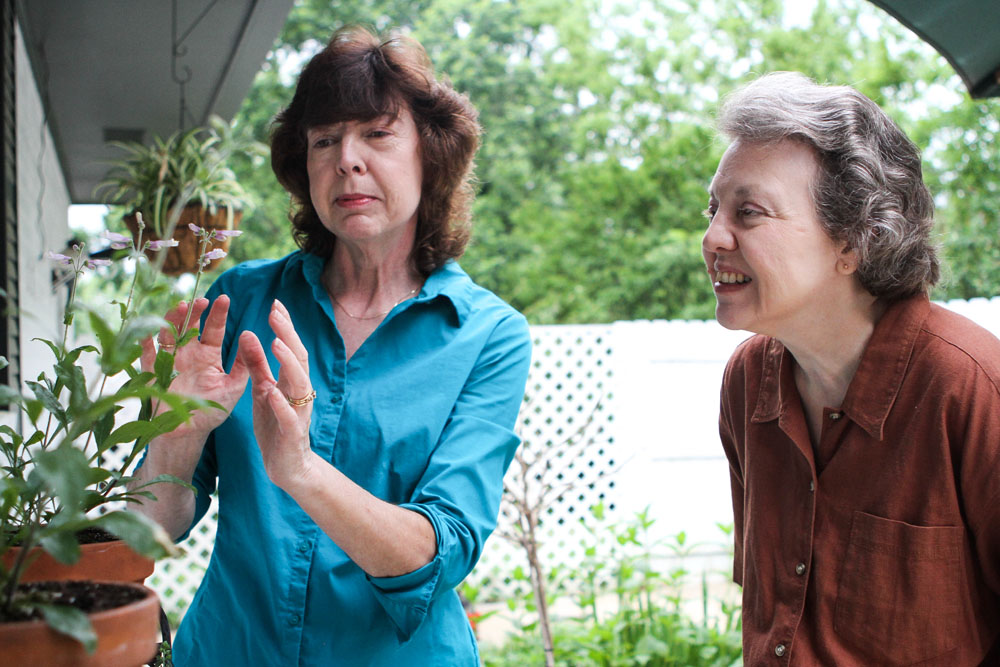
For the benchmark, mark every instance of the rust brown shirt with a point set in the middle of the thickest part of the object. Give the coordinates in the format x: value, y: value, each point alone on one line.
x: 881, y: 546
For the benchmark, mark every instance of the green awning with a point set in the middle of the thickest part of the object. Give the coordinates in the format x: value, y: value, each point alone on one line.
x: 965, y: 32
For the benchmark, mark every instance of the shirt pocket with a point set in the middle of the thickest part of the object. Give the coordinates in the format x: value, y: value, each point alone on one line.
x: 899, y: 595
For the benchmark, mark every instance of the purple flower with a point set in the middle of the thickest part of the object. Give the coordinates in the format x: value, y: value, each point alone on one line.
x: 115, y: 237
x: 118, y: 241
x: 160, y: 245
x: 94, y: 263
x: 62, y: 259
x: 218, y: 253
x: 194, y: 228
x: 223, y: 234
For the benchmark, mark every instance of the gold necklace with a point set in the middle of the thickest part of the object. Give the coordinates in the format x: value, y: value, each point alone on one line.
x: 376, y: 316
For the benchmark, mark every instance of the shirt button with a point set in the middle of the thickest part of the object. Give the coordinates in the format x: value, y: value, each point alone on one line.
x: 800, y: 569
x: 835, y: 416
x: 303, y: 547
x: 812, y: 486
x: 294, y: 619
x: 779, y: 650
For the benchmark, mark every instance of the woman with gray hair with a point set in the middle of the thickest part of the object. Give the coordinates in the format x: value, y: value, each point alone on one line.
x: 862, y: 423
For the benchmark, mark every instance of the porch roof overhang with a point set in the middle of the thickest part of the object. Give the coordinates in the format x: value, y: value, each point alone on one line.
x: 106, y: 69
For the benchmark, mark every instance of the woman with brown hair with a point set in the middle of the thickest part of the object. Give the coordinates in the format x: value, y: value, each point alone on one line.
x: 360, y: 476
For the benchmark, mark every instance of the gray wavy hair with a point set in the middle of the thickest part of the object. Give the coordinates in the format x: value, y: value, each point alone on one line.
x: 870, y: 192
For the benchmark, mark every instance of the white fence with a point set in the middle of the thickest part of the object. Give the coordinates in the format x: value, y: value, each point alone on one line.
x: 647, y: 394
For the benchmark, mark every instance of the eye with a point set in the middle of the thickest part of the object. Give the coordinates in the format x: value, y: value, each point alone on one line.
x: 323, y: 141
x: 378, y: 133
x: 713, y: 208
x: 746, y: 212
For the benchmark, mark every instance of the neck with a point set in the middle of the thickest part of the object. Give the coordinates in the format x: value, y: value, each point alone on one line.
x: 365, y: 285
x: 828, y: 355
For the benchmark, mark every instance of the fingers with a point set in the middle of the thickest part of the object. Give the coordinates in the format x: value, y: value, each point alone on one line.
x: 251, y: 357
x: 293, y: 379
x: 215, y: 323
x: 281, y: 323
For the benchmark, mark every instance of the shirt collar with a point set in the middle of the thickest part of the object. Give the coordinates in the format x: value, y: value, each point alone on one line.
x: 875, y: 384
x: 448, y: 283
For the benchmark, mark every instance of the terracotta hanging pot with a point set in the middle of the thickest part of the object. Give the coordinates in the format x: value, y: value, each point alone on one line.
x: 184, y: 257
x: 100, y: 561
x: 127, y: 636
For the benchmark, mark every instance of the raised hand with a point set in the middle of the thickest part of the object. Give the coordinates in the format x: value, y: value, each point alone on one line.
x: 282, y: 408
x: 199, y: 365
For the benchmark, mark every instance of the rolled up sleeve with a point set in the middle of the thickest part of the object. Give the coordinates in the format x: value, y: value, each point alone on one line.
x: 460, y: 490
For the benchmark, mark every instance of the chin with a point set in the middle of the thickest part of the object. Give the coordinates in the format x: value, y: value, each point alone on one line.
x: 728, y: 319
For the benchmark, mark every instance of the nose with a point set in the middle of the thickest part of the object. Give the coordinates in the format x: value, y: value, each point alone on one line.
x: 718, y: 237
x: 351, y: 159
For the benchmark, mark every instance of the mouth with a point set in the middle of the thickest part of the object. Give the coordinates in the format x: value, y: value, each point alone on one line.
x: 354, y: 199
x: 731, y: 278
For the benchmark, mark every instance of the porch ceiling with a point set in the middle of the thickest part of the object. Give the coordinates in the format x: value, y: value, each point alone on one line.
x: 104, y: 69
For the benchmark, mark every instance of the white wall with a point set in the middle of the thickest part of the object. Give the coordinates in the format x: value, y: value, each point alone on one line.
x: 42, y: 205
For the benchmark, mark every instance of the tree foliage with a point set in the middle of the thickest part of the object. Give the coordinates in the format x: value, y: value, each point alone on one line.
x: 598, y: 135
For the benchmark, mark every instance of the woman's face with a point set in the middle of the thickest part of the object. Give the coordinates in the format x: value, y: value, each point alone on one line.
x: 772, y: 265
x: 365, y: 178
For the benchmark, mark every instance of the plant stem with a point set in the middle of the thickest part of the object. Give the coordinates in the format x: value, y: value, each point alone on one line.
x: 128, y: 306
x: 202, y: 247
x: 538, y: 586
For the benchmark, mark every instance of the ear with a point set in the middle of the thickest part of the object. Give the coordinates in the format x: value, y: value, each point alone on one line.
x: 847, y: 260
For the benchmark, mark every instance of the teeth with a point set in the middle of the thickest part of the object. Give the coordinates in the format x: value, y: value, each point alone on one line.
x: 730, y: 277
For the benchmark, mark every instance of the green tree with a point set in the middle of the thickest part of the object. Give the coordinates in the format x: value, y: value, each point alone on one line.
x: 598, y: 142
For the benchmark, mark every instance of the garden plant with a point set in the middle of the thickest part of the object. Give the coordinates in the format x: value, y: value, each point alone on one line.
x: 55, y: 485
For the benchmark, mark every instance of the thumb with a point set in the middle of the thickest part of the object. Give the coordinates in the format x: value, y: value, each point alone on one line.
x: 239, y: 373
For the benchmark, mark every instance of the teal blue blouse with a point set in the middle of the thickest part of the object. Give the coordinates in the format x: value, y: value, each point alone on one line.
x: 421, y: 416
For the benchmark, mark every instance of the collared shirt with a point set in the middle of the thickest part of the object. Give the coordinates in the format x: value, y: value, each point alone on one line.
x: 881, y: 545
x: 420, y: 416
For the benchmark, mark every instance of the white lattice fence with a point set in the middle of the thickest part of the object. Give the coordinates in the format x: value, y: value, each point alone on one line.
x: 567, y: 456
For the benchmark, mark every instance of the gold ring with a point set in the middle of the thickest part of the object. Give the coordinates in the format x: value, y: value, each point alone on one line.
x: 299, y: 402
x: 165, y: 346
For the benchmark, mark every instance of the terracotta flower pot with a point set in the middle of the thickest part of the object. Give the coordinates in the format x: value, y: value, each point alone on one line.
x: 126, y: 637
x: 184, y: 257
x: 101, y: 561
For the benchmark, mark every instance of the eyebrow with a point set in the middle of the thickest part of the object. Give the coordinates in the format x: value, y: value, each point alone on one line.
x: 748, y: 191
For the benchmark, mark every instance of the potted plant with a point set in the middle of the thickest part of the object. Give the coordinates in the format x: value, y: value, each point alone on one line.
x: 55, y: 479
x: 181, y: 180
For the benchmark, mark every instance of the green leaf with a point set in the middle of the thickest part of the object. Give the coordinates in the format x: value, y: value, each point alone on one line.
x: 168, y: 478
x: 73, y: 379
x: 143, y: 534
x: 9, y: 395
x: 163, y: 367
x: 105, y: 334
x: 15, y: 437
x: 144, y: 431
x: 62, y: 545
x: 102, y: 427
x: 66, y: 472
x: 48, y: 400
x: 33, y: 408
x: 72, y: 622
